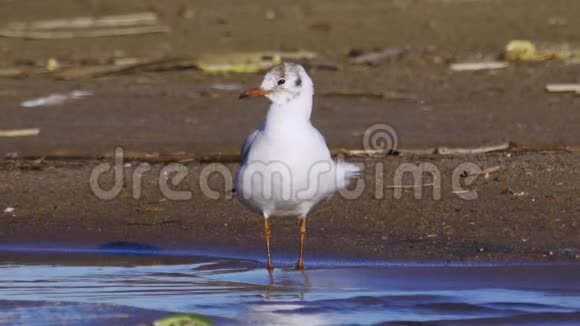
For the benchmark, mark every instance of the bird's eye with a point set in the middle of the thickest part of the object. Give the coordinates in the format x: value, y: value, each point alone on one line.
x: 281, y: 81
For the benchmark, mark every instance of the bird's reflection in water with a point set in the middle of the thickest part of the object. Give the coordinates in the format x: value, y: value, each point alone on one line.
x: 284, y: 296
x: 287, y: 283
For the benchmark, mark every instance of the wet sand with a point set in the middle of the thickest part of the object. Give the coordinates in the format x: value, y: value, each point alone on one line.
x: 526, y: 211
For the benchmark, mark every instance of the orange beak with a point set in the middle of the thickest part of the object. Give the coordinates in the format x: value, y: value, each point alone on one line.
x: 254, y: 92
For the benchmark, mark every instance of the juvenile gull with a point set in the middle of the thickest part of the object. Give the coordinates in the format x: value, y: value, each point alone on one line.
x: 286, y: 165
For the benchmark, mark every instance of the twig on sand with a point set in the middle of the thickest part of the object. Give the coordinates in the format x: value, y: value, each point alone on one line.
x: 142, y: 18
x: 409, y: 186
x: 12, y: 72
x: 78, y: 27
x: 104, y: 32
x: 428, y: 151
x: 563, y: 88
x: 133, y: 65
x: 463, y: 191
x: 19, y: 132
x: 486, y: 172
x: 572, y: 148
x: 490, y: 170
x: 478, y: 66
x: 475, y: 150
x: 375, y: 57
x: 363, y: 152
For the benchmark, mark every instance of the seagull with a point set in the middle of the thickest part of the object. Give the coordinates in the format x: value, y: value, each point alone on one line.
x: 286, y: 166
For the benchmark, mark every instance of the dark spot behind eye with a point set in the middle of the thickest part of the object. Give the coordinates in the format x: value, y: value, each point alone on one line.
x: 298, y: 82
x: 281, y: 81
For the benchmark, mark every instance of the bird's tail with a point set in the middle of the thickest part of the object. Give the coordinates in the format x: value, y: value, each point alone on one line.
x: 344, y: 172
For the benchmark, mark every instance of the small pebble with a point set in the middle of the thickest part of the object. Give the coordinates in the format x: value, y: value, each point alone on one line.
x: 11, y: 155
x: 270, y: 15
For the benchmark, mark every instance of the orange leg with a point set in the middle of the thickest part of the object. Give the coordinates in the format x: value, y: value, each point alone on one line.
x: 267, y: 233
x: 300, y: 264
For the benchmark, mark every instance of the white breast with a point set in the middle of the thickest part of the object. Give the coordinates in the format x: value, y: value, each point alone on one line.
x: 286, y: 174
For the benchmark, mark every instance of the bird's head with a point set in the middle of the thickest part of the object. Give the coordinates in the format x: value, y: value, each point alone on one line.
x: 283, y: 83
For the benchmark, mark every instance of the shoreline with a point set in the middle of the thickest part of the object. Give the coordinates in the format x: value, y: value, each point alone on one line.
x: 55, y: 254
x: 515, y: 217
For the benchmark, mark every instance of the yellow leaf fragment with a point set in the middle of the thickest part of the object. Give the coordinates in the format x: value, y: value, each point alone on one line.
x: 52, y: 64
x: 183, y: 320
x: 525, y: 50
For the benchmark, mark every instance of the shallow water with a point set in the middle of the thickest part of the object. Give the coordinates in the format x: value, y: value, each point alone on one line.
x: 110, y: 289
